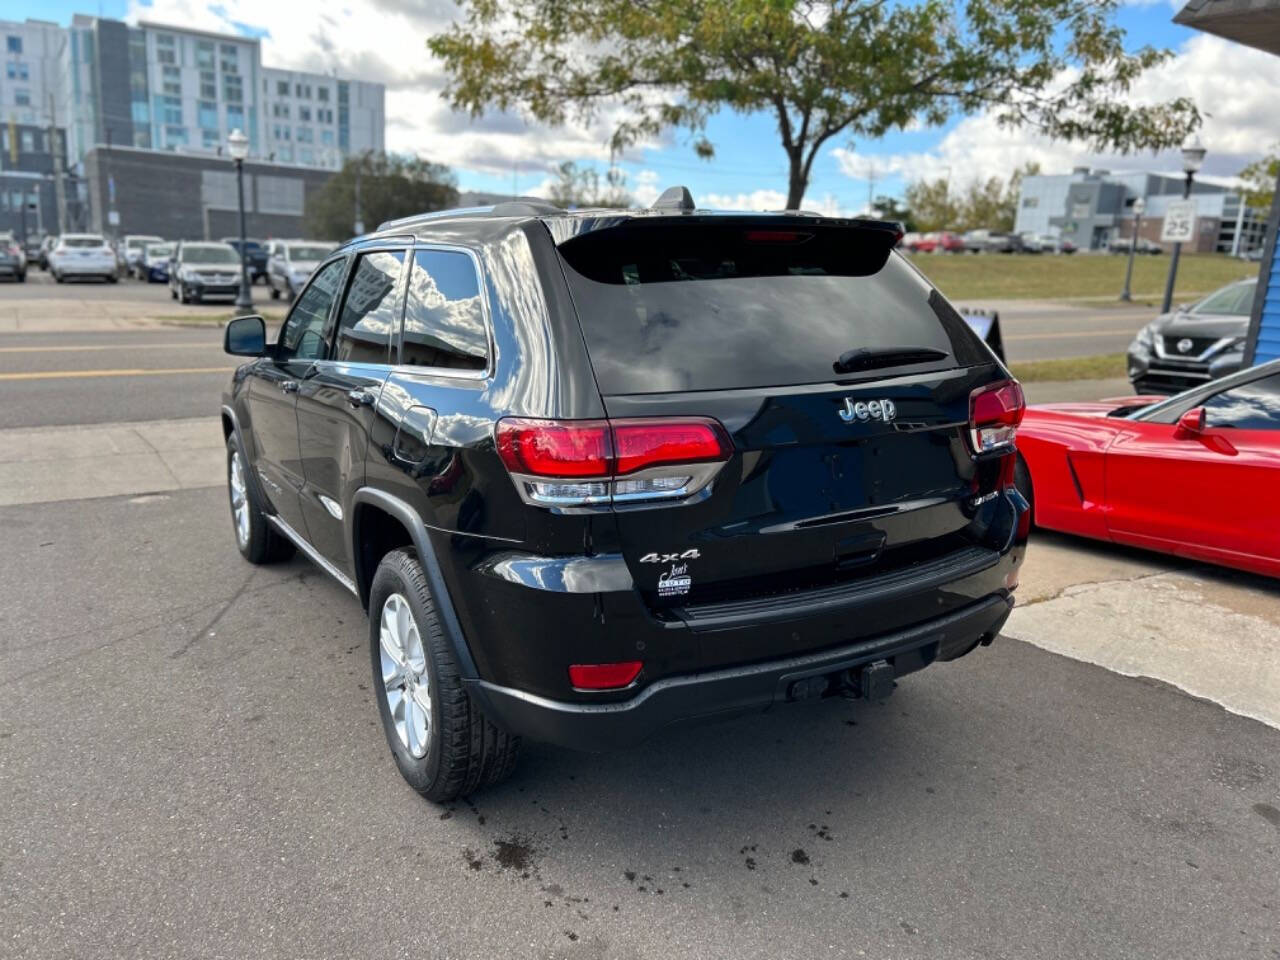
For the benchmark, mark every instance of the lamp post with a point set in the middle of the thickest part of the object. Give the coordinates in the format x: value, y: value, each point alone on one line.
x: 238, y: 147
x: 1193, y: 152
x: 1138, y: 206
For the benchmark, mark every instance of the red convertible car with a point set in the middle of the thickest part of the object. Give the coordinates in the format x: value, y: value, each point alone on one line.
x: 1196, y: 474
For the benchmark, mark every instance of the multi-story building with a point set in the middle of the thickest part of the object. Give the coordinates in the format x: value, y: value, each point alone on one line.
x: 1092, y: 208
x: 315, y: 120
x: 161, y: 87
x: 31, y: 54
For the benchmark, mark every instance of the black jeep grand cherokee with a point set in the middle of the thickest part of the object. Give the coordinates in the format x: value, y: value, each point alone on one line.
x: 595, y: 472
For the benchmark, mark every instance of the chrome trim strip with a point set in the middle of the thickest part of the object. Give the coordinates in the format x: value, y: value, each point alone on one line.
x: 1217, y: 346
x: 311, y: 553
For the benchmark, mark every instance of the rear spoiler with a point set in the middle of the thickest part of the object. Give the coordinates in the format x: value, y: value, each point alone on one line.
x: 986, y: 324
x: 566, y: 228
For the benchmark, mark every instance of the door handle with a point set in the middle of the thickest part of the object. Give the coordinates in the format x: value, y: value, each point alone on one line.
x: 360, y: 398
x: 289, y: 386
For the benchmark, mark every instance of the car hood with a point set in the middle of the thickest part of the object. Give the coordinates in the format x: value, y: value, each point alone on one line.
x: 1200, y: 325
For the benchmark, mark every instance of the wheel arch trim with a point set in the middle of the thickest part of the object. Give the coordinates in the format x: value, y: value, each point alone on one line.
x: 409, y: 518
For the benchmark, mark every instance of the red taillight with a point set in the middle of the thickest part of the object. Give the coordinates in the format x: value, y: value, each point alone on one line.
x: 604, y: 676
x: 994, y: 414
x: 580, y: 462
x: 640, y: 444
x: 547, y: 448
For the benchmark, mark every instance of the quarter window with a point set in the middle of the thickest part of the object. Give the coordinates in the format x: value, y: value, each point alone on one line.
x: 369, y: 312
x: 1250, y: 406
x: 443, y: 318
x: 303, y: 335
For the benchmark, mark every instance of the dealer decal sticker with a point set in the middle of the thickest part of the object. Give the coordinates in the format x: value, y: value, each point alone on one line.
x: 675, y: 582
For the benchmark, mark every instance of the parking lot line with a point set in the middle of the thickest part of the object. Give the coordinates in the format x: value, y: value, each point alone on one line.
x: 136, y: 372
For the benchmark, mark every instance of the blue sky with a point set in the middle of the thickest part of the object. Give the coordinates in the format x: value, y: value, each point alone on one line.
x: 749, y: 169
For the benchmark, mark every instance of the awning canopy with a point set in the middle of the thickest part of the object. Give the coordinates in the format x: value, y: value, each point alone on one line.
x: 1254, y: 23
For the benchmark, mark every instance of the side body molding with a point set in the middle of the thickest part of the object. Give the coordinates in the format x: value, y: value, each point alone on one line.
x: 430, y: 566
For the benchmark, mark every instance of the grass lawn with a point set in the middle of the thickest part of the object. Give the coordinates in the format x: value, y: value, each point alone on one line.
x: 1104, y: 367
x: 1057, y: 277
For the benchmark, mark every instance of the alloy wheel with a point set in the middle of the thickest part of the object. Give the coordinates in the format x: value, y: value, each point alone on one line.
x: 404, y: 675
x: 239, y: 500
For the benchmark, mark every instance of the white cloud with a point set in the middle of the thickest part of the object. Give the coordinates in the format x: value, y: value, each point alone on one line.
x: 1235, y: 87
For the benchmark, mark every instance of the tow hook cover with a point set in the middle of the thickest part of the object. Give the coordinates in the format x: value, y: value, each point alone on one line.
x: 876, y: 680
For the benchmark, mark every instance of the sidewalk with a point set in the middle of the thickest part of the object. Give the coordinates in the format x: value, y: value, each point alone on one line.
x: 42, y: 464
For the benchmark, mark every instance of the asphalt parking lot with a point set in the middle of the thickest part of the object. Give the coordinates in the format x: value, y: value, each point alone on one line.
x: 193, y: 766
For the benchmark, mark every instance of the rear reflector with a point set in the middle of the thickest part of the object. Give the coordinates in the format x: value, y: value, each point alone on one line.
x: 591, y: 462
x: 994, y: 414
x: 604, y: 676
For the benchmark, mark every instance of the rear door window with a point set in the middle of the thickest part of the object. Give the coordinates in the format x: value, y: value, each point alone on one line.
x: 369, y: 314
x: 678, y: 307
x: 444, y: 323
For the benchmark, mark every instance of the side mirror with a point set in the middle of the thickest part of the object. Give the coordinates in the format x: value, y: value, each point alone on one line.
x: 245, y: 337
x: 1191, y: 423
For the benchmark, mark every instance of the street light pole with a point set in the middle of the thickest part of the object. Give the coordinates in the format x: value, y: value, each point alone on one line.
x: 1139, y: 204
x: 1192, y: 156
x: 238, y: 147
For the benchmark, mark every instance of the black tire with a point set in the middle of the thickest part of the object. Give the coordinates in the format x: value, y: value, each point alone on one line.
x: 112, y: 278
x: 173, y: 294
x: 466, y: 751
x: 263, y: 544
x: 182, y: 294
x: 57, y: 277
x: 22, y: 277
x: 275, y: 294
x: 1022, y: 481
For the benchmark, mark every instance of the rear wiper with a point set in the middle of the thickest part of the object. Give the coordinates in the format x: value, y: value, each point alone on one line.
x: 867, y: 358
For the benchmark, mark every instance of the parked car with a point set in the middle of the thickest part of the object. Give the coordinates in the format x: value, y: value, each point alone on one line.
x: 134, y: 244
x: 83, y: 255
x: 255, y: 257
x: 990, y: 241
x: 569, y: 518
x: 1195, y: 343
x: 1145, y: 246
x: 291, y: 262
x: 200, y: 270
x: 1193, y: 475
x: 13, y: 259
x: 46, y: 247
x: 154, y: 265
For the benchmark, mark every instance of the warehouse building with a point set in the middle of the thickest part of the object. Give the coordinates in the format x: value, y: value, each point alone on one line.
x: 1093, y: 208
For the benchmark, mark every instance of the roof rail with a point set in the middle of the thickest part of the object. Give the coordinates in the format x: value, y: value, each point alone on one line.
x: 674, y: 198
x: 525, y: 207
x: 519, y: 207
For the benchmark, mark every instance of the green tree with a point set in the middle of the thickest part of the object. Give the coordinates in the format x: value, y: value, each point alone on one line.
x: 1260, y: 180
x: 933, y: 205
x: 391, y: 186
x: 889, y: 208
x: 990, y: 203
x: 822, y: 68
x: 576, y: 186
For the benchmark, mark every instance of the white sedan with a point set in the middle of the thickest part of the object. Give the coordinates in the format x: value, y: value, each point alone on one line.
x: 83, y: 255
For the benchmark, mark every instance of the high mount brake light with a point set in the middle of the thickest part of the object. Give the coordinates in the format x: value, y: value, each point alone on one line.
x: 994, y: 414
x: 570, y: 463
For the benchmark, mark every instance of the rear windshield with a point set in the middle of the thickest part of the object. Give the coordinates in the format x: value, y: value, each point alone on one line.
x: 307, y: 253
x: 83, y: 242
x: 714, y: 307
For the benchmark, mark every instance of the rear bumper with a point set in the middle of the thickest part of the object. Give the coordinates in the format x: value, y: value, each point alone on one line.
x: 753, y: 687
x: 87, y: 269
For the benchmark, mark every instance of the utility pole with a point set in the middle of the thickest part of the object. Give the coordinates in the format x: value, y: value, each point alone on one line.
x: 359, y: 221
x: 55, y: 144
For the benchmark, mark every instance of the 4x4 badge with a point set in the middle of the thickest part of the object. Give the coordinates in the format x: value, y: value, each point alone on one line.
x: 867, y: 410
x: 690, y: 554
